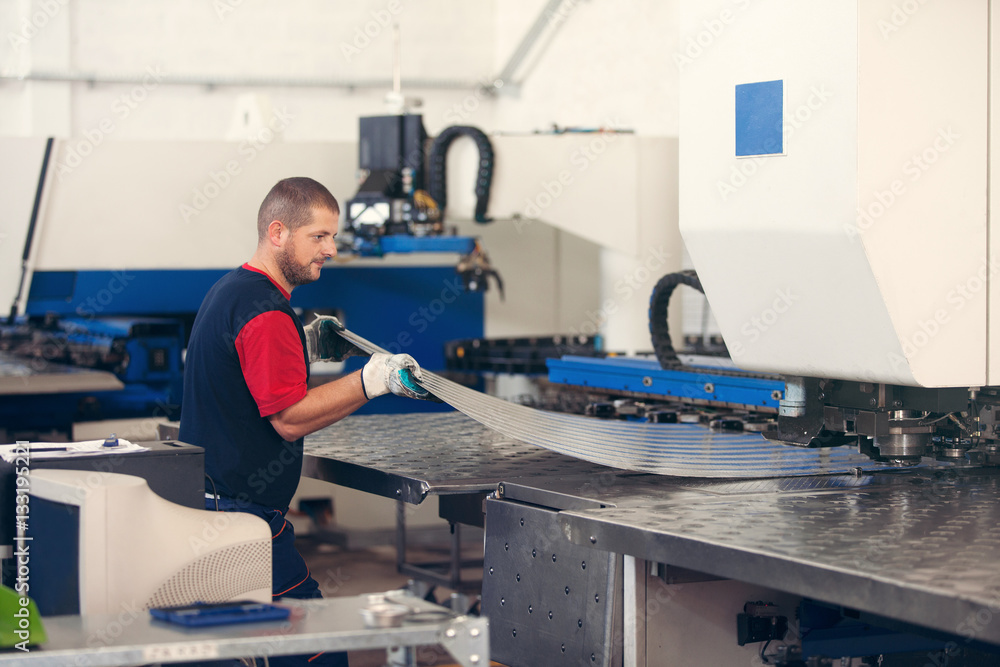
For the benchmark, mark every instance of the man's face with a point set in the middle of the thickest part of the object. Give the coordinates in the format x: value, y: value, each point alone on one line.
x: 308, y: 247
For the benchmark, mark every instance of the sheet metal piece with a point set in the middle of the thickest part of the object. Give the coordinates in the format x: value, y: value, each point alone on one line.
x: 686, y: 450
x: 412, y: 456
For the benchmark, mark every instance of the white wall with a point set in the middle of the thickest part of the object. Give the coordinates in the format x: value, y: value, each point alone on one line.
x: 600, y: 64
x: 610, y: 63
x: 232, y: 39
x: 607, y: 61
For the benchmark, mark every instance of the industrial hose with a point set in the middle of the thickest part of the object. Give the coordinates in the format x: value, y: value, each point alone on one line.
x: 438, y: 154
x: 659, y: 328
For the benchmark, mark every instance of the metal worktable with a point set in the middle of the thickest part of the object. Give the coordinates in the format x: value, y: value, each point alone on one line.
x: 133, y: 637
x: 920, y: 546
x: 35, y: 376
x: 411, y: 456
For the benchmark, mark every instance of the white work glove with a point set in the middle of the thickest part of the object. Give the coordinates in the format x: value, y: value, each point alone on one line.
x: 396, y: 373
x: 323, y: 343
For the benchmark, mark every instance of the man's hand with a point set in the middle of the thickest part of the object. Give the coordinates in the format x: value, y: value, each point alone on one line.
x: 325, y: 344
x: 397, y: 373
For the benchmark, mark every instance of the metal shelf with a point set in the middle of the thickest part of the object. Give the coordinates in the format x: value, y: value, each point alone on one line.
x: 333, y: 624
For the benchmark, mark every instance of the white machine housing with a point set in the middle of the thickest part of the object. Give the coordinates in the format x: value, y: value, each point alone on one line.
x: 860, y: 248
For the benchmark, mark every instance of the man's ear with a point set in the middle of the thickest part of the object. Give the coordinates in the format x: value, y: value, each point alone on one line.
x: 276, y: 233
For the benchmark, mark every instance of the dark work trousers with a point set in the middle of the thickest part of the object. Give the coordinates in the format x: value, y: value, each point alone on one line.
x: 290, y: 578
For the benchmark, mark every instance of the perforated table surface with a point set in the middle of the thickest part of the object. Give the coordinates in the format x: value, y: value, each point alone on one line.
x: 412, y: 456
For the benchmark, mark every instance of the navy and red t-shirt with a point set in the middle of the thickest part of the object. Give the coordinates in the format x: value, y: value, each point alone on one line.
x: 246, y: 360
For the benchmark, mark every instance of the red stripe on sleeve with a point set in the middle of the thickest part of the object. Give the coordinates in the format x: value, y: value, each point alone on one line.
x: 270, y: 353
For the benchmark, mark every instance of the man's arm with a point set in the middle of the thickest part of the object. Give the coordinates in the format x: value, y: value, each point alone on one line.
x: 331, y: 402
x: 320, y: 407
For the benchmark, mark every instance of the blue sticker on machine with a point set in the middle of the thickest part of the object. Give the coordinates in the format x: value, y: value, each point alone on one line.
x: 759, y: 118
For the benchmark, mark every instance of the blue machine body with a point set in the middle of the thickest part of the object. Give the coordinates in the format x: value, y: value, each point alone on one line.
x: 405, y: 243
x: 645, y: 376
x: 832, y: 630
x: 144, y: 353
x: 413, y: 310
x: 403, y: 309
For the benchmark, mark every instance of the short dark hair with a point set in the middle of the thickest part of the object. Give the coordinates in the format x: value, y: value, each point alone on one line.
x: 291, y: 201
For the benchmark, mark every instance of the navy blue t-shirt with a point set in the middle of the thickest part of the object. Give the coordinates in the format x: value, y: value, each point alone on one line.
x: 246, y: 360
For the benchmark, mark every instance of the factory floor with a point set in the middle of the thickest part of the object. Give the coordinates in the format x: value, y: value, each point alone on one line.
x: 343, y: 572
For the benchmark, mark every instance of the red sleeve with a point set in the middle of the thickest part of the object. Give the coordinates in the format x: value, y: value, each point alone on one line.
x: 270, y: 352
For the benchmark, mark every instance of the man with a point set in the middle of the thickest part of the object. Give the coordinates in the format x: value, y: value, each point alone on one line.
x: 246, y: 395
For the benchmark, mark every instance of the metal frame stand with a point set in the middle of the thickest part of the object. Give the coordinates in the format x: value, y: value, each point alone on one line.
x: 438, y: 573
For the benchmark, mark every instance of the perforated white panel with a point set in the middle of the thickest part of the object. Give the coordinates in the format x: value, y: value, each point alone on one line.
x: 221, y: 575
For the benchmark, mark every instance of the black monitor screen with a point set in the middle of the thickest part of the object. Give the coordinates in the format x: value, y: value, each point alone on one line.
x: 54, y: 562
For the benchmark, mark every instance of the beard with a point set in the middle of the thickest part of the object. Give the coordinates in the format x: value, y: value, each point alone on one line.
x: 294, y: 274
